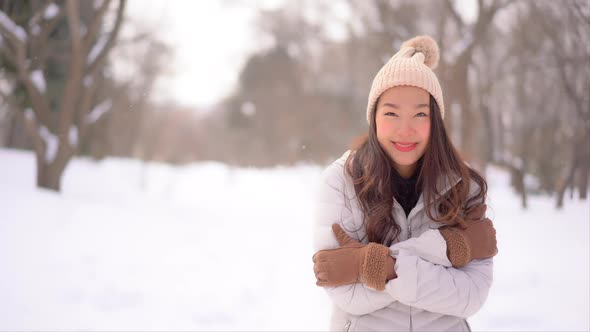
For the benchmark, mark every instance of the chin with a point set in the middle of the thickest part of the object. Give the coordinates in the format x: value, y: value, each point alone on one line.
x: 405, y: 161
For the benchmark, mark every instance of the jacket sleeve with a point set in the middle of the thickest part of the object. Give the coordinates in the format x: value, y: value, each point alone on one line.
x: 334, y: 206
x: 451, y: 291
x: 446, y: 290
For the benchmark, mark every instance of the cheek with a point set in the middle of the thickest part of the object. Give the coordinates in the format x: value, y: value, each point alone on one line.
x: 384, y: 128
x: 423, y: 130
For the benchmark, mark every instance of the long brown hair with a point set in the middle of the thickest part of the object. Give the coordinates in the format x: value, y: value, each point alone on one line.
x: 369, y: 166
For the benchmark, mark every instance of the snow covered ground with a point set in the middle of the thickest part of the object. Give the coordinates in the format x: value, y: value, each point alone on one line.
x: 210, y: 247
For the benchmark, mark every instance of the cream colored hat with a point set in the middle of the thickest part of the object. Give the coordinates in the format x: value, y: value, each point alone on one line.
x: 411, y: 65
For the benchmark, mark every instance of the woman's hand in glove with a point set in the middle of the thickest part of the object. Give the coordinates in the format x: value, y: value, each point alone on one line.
x: 353, y: 262
x: 475, y: 241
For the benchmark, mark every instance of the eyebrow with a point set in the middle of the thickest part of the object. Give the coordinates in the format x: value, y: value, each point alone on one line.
x: 396, y: 106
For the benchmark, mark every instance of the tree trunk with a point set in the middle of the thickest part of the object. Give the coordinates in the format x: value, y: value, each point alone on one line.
x: 49, y: 174
x: 517, y: 179
x: 17, y: 137
x: 583, y: 184
x: 584, y: 172
x: 562, y: 187
x: 523, y: 195
x: 463, y: 98
x: 490, y: 138
x: 48, y: 178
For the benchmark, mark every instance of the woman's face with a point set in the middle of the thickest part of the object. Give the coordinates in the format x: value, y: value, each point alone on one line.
x: 403, y: 126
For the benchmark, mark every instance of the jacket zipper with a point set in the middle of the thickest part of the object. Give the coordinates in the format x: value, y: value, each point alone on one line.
x: 411, y: 323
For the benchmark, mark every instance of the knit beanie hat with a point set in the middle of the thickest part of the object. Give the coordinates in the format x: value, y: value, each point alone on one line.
x: 411, y: 65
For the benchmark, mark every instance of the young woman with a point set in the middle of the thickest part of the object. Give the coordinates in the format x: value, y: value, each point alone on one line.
x: 402, y: 238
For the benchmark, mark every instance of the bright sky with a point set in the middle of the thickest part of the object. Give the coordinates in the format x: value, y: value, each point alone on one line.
x: 211, y: 40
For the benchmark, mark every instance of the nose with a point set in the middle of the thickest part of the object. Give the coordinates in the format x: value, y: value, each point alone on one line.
x: 406, y: 129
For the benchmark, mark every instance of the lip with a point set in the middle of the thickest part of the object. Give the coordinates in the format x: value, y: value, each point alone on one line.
x: 406, y: 148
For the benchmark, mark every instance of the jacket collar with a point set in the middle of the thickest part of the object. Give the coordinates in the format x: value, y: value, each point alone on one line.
x: 444, y: 184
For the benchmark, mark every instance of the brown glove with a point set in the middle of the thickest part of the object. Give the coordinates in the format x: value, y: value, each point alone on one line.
x: 353, y: 262
x: 476, y: 241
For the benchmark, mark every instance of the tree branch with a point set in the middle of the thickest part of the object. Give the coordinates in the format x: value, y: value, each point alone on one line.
x: 584, y: 14
x: 92, y: 32
x: 560, y: 61
x: 97, y: 63
x: 15, y: 34
x: 41, y: 40
x: 455, y: 15
x: 38, y: 100
x: 75, y: 72
x: 32, y: 128
x: 86, y: 105
x: 10, y: 55
x: 485, y: 17
x: 6, y: 98
x: 73, y: 12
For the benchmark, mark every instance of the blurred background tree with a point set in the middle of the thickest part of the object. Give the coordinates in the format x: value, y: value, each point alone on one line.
x: 515, y: 75
x: 55, y: 54
x: 60, y: 96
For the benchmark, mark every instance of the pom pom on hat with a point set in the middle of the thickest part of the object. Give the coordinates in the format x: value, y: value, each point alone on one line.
x: 427, y: 46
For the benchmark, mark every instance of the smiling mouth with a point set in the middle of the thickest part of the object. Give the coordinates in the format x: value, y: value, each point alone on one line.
x: 404, y: 147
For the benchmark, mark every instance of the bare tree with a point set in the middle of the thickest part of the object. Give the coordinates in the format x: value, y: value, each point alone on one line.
x: 568, y: 30
x: 460, y: 39
x: 56, y: 128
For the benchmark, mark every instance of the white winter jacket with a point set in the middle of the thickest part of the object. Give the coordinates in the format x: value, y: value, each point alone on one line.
x: 428, y: 293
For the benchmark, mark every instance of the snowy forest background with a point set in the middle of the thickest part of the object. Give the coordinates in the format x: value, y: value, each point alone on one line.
x: 112, y: 197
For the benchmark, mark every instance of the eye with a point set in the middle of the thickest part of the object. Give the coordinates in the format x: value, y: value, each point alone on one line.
x: 421, y: 114
x: 390, y: 114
